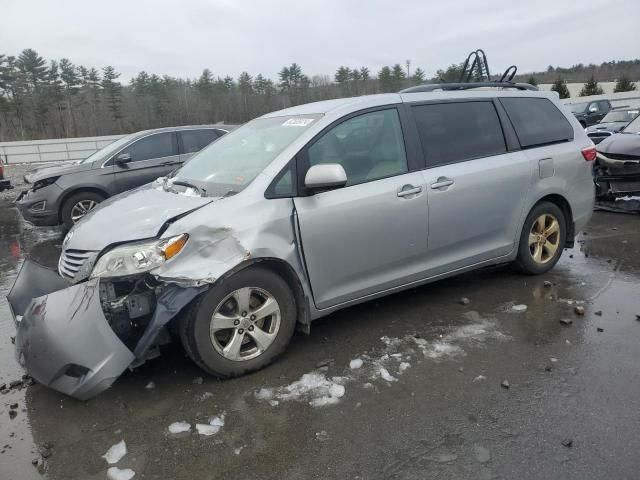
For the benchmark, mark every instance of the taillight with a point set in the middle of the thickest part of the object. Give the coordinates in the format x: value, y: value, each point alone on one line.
x: 589, y: 153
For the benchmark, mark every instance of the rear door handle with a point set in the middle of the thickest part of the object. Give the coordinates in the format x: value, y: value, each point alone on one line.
x: 442, y: 182
x: 409, y: 190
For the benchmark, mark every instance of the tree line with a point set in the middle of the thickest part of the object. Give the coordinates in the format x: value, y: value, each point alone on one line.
x: 57, y: 98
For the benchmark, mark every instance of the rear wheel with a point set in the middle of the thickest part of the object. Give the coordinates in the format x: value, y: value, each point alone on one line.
x: 542, y: 239
x: 240, y: 325
x: 77, y: 206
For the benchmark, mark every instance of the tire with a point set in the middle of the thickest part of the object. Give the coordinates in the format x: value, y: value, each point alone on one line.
x: 196, y: 321
x: 535, y: 259
x: 68, y: 205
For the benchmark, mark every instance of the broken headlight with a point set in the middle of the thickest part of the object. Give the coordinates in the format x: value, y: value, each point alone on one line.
x: 133, y: 258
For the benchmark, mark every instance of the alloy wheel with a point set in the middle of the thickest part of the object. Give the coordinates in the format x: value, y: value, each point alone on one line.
x: 245, y: 323
x: 544, y: 238
x: 81, y: 208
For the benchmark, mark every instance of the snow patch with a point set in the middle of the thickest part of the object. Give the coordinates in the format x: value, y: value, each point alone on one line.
x: 355, y: 363
x: 519, y: 308
x: 384, y: 373
x: 179, y: 427
x: 479, y: 378
x: 114, y: 473
x: 116, y: 452
x: 313, y: 387
x: 403, y: 366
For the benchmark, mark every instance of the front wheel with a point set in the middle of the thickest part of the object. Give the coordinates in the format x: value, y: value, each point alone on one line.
x: 542, y: 239
x: 240, y: 325
x: 77, y: 206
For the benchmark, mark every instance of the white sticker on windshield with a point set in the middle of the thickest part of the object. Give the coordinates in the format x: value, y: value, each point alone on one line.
x: 298, y: 122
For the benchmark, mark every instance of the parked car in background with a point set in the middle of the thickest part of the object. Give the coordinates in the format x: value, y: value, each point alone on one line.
x: 64, y: 193
x: 613, y: 122
x: 4, y: 183
x: 590, y: 113
x: 300, y: 213
x: 617, y: 169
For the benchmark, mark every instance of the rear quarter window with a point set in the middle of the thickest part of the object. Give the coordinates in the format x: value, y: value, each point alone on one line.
x: 537, y: 121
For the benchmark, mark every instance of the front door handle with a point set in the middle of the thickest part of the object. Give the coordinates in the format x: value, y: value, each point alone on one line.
x: 442, y: 182
x: 409, y: 190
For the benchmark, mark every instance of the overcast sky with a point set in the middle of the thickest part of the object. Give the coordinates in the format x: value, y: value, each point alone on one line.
x: 229, y: 36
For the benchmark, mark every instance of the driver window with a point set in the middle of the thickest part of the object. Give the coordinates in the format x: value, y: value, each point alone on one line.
x: 369, y: 147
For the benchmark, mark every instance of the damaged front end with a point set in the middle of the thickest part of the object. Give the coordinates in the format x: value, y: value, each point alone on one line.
x: 78, y: 339
x: 617, y: 169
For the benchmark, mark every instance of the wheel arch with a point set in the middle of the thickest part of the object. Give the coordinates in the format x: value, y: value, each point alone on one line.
x: 563, y: 204
x: 66, y: 195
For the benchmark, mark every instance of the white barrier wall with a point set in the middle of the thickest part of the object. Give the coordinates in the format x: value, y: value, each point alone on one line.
x: 56, y: 150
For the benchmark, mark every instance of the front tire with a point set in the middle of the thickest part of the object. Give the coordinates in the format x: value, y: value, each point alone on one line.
x: 240, y: 325
x: 542, y: 239
x: 77, y: 206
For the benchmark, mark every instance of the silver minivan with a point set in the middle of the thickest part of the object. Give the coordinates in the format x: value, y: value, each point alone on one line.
x: 299, y: 213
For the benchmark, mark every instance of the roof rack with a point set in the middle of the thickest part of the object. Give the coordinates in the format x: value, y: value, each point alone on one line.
x: 430, y: 87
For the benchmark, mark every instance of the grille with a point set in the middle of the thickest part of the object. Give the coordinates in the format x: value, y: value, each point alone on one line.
x: 71, y: 261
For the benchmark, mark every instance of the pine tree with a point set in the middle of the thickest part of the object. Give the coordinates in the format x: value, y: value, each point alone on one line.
x: 398, y: 75
x: 532, y: 81
x: 560, y: 86
x: 624, y: 84
x: 385, y: 77
x: 418, y: 76
x: 591, y: 87
x: 113, y: 92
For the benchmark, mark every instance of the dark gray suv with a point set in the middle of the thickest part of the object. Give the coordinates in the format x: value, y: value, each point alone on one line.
x: 66, y: 192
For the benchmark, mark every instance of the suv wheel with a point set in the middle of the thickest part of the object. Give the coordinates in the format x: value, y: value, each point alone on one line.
x: 542, y: 239
x: 240, y: 325
x: 77, y: 206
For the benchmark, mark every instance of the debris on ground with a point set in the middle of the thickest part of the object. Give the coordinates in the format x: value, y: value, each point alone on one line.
x: 384, y: 373
x: 115, y: 473
x: 548, y: 368
x: 579, y: 310
x: 355, y: 363
x: 567, y: 442
x: 198, y: 381
x: 479, y: 378
x: 566, y: 321
x: 600, y: 329
x: 547, y: 283
x: 465, y: 301
x: 179, y: 427
x: 505, y: 384
x: 327, y: 362
x: 150, y: 385
x: 598, y: 313
x: 519, y: 308
x: 481, y: 453
x: 13, y: 414
x: 314, y: 387
x: 403, y: 366
x: 116, y: 452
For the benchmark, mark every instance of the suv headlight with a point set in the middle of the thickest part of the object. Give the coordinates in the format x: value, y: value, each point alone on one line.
x: 140, y: 257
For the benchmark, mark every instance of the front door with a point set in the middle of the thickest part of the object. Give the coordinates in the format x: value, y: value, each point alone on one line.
x: 370, y: 235
x: 476, y: 188
x: 151, y: 157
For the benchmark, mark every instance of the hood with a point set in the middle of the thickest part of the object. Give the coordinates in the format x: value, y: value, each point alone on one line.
x: 55, y: 170
x: 133, y: 215
x: 621, y: 144
x: 608, y: 126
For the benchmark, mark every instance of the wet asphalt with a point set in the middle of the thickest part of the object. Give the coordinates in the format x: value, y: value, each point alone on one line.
x: 447, y: 416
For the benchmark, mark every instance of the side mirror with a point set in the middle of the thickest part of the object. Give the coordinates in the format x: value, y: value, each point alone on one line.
x: 123, y: 159
x: 325, y: 177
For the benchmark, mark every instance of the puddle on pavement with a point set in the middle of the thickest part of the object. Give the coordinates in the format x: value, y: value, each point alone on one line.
x: 602, y: 272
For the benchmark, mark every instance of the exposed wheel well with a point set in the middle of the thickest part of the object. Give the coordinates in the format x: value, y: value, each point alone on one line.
x: 68, y: 194
x: 562, y: 203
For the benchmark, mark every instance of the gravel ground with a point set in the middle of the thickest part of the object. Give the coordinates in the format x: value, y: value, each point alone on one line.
x: 15, y: 173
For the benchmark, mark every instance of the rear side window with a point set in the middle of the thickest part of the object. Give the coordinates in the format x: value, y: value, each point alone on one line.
x: 537, y: 121
x: 196, y: 140
x: 454, y: 132
x: 154, y: 146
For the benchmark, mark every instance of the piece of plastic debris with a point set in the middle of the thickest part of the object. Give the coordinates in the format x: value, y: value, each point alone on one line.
x: 566, y: 321
x: 479, y: 378
x: 384, y: 373
x: 579, y: 310
x: 355, y: 363
x: 115, y: 473
x: 179, y: 427
x: 519, y: 308
x: 116, y: 452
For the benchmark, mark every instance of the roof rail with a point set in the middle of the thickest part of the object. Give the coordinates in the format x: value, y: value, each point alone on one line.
x: 430, y: 87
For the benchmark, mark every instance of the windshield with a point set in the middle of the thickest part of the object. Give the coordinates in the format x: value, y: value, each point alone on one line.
x: 578, y: 107
x: 633, y: 127
x: 232, y: 162
x: 620, y: 116
x: 106, y: 152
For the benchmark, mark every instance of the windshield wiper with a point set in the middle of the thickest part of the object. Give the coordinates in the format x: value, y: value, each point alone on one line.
x: 184, y: 183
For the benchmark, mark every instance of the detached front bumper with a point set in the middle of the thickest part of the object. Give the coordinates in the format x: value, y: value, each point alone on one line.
x: 63, y: 338
x: 79, y: 339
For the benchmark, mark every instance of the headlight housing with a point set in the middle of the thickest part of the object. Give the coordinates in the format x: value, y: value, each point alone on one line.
x: 44, y: 183
x: 140, y: 257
